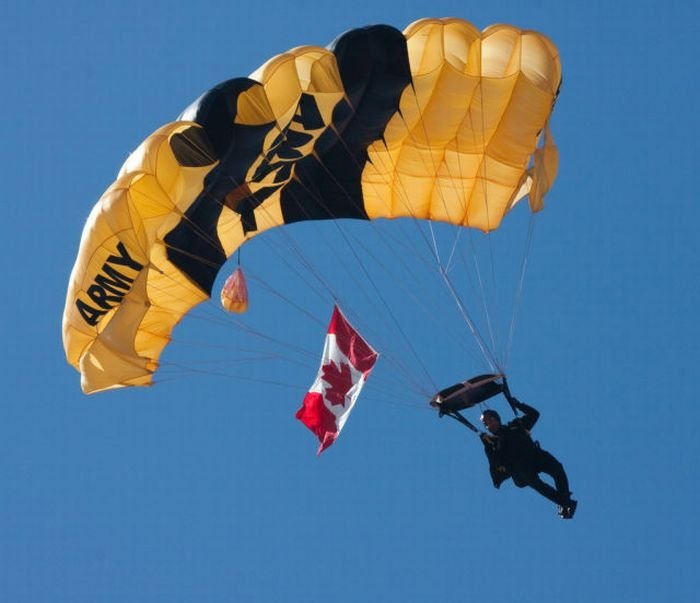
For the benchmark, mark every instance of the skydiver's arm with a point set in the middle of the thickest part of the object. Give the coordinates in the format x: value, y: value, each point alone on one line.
x: 530, y: 415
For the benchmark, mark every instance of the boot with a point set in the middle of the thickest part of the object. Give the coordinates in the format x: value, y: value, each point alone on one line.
x: 567, y: 510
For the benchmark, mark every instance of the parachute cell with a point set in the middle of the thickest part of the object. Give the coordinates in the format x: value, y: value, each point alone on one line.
x: 440, y: 122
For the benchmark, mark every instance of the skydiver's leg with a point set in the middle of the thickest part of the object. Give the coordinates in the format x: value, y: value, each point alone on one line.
x: 548, y: 464
x: 530, y: 478
x: 547, y: 491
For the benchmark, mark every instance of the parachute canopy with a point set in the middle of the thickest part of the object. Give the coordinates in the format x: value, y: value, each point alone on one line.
x: 440, y: 122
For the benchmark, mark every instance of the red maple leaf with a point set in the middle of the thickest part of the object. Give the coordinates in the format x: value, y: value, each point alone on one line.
x: 339, y: 378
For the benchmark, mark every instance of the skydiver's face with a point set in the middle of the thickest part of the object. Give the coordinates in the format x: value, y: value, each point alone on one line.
x: 491, y: 423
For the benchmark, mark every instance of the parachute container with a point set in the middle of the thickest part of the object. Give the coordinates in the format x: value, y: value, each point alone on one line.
x: 234, y: 294
x: 467, y: 393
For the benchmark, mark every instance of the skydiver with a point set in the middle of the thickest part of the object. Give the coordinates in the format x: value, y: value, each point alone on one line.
x: 511, y: 452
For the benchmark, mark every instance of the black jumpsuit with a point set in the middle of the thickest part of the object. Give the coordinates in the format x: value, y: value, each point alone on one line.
x: 512, y: 453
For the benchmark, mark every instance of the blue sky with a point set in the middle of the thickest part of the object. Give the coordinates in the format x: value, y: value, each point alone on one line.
x: 205, y: 487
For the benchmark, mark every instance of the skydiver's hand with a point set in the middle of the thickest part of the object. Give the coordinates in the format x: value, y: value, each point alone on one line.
x: 501, y: 469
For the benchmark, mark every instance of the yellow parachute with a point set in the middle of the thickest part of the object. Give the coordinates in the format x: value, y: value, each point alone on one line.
x: 440, y: 122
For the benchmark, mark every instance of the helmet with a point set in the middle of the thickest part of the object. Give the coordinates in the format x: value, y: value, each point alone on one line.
x: 490, y: 413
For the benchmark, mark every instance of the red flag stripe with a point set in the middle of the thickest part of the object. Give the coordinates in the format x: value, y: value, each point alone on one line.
x: 321, y: 421
x: 350, y: 343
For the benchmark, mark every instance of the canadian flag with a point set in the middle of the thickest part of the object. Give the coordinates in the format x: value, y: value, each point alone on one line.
x: 346, y: 363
